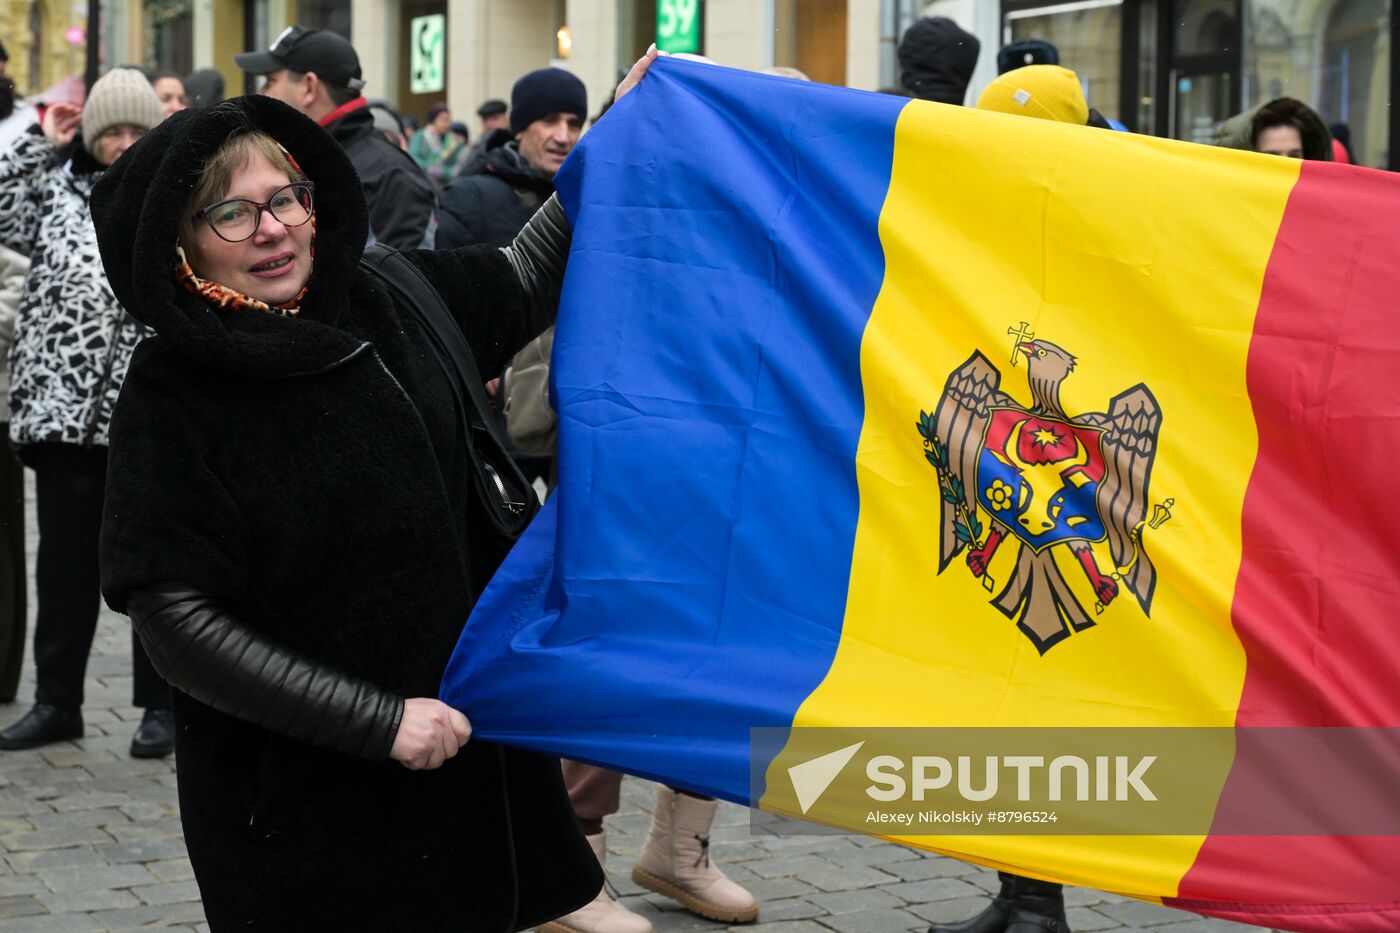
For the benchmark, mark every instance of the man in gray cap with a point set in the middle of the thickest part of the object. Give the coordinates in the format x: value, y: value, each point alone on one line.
x: 318, y: 73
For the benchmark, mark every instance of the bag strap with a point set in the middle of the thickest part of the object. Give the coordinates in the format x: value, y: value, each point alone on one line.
x: 509, y: 499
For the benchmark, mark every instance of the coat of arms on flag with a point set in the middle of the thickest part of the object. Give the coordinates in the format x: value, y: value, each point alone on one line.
x: 1045, y: 479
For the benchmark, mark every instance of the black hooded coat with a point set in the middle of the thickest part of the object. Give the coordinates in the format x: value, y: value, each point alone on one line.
x: 936, y: 60
x: 305, y: 473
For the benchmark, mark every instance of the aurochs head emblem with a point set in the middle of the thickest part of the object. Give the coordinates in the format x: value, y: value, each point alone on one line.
x: 1045, y: 480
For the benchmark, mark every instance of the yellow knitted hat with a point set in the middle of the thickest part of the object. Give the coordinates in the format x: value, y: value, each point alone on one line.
x: 1045, y: 91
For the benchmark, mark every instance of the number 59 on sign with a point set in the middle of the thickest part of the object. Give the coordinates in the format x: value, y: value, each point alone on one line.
x: 678, y: 25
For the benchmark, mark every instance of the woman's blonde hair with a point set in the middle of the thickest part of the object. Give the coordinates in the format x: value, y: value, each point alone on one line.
x: 219, y: 169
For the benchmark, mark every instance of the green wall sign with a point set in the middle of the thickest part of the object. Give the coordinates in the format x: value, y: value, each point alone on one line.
x: 678, y: 25
x: 428, y: 54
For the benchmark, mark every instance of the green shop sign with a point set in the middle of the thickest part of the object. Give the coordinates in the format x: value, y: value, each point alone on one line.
x: 678, y: 25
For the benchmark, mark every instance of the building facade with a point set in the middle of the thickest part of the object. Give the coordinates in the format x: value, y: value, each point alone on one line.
x: 1166, y: 67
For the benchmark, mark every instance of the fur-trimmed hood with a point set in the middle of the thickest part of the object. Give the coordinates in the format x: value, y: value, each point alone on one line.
x: 137, y: 208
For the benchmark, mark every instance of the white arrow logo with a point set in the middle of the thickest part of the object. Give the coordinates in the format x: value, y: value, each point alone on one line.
x: 811, y: 778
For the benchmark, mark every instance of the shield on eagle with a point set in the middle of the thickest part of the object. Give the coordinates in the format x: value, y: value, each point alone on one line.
x: 1045, y: 480
x: 1040, y: 477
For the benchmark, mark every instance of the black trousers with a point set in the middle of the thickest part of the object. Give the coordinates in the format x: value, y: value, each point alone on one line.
x: 13, y: 581
x: 70, y: 483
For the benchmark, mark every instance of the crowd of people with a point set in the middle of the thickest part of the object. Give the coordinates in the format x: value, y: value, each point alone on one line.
x: 239, y: 437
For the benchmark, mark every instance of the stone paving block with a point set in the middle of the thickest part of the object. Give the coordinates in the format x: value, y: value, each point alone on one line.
x: 792, y: 908
x: 172, y: 893
x: 859, y: 900
x: 772, y: 889
x: 785, y: 866
x: 734, y: 852
x: 54, y: 839
x: 82, y: 901
x: 140, y: 917
x: 668, y: 916
x: 146, y: 810
x: 952, y: 911
x: 70, y: 756
x: 30, y: 862
x: 11, y: 885
x: 879, y: 856
x: 88, y: 800
x: 1082, y: 918
x: 175, y: 869
x: 1195, y: 923
x: 875, y: 921
x: 844, y: 879
x: 986, y: 880
x: 88, y: 877
x: 14, y: 824
x: 72, y: 819
x: 782, y: 926
x: 145, y: 832
x: 38, y: 773
x: 1143, y: 914
x: 127, y: 767
x: 148, y: 850
x: 932, y: 867
x: 28, y: 805
x: 1083, y: 897
x: 932, y: 889
x: 737, y: 872
x: 55, y: 923
x: 20, y: 906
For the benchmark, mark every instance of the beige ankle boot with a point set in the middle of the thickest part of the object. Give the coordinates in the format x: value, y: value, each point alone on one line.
x: 676, y: 860
x: 603, y: 914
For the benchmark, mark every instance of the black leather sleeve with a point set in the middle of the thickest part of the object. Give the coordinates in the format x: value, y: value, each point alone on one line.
x: 203, y: 650
x: 538, y: 255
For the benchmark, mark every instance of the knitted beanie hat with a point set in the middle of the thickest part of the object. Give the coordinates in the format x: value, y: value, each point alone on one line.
x: 122, y: 95
x: 1045, y: 91
x: 546, y: 91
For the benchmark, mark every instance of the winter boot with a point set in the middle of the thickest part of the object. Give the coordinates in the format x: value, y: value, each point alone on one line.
x: 603, y: 914
x: 676, y: 860
x: 1037, y: 907
x: 991, y: 920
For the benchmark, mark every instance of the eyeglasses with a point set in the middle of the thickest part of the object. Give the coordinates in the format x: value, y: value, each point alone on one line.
x: 237, y: 219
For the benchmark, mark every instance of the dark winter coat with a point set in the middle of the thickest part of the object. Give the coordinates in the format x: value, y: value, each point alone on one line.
x: 492, y: 205
x: 936, y: 60
x: 402, y: 202
x: 306, y: 473
x: 72, y: 340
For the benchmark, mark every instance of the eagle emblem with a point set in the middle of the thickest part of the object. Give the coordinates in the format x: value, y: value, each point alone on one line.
x: 1046, y: 481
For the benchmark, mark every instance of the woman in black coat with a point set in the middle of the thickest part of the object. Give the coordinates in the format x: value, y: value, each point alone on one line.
x: 291, y: 526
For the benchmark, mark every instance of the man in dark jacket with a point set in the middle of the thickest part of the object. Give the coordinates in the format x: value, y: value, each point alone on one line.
x: 936, y: 60
x: 318, y: 73
x: 516, y: 172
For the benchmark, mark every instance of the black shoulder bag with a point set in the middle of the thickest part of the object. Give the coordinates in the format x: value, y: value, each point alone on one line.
x: 508, y: 500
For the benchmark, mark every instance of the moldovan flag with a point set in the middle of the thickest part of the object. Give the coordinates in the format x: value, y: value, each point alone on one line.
x: 878, y: 414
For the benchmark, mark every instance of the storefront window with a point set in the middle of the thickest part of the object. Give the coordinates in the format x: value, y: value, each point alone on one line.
x: 169, y: 35
x: 1205, y: 27
x: 810, y: 35
x: 1334, y: 56
x: 333, y: 15
x: 1089, y: 36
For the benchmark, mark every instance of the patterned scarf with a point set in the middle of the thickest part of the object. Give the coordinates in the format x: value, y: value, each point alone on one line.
x: 225, y: 298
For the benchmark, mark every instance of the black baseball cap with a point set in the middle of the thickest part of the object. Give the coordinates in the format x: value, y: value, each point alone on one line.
x: 303, y: 50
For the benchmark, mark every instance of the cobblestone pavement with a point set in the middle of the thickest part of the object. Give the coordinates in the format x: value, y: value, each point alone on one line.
x: 90, y: 840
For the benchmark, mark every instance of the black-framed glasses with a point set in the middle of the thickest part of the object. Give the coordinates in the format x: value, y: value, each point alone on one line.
x: 237, y: 219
